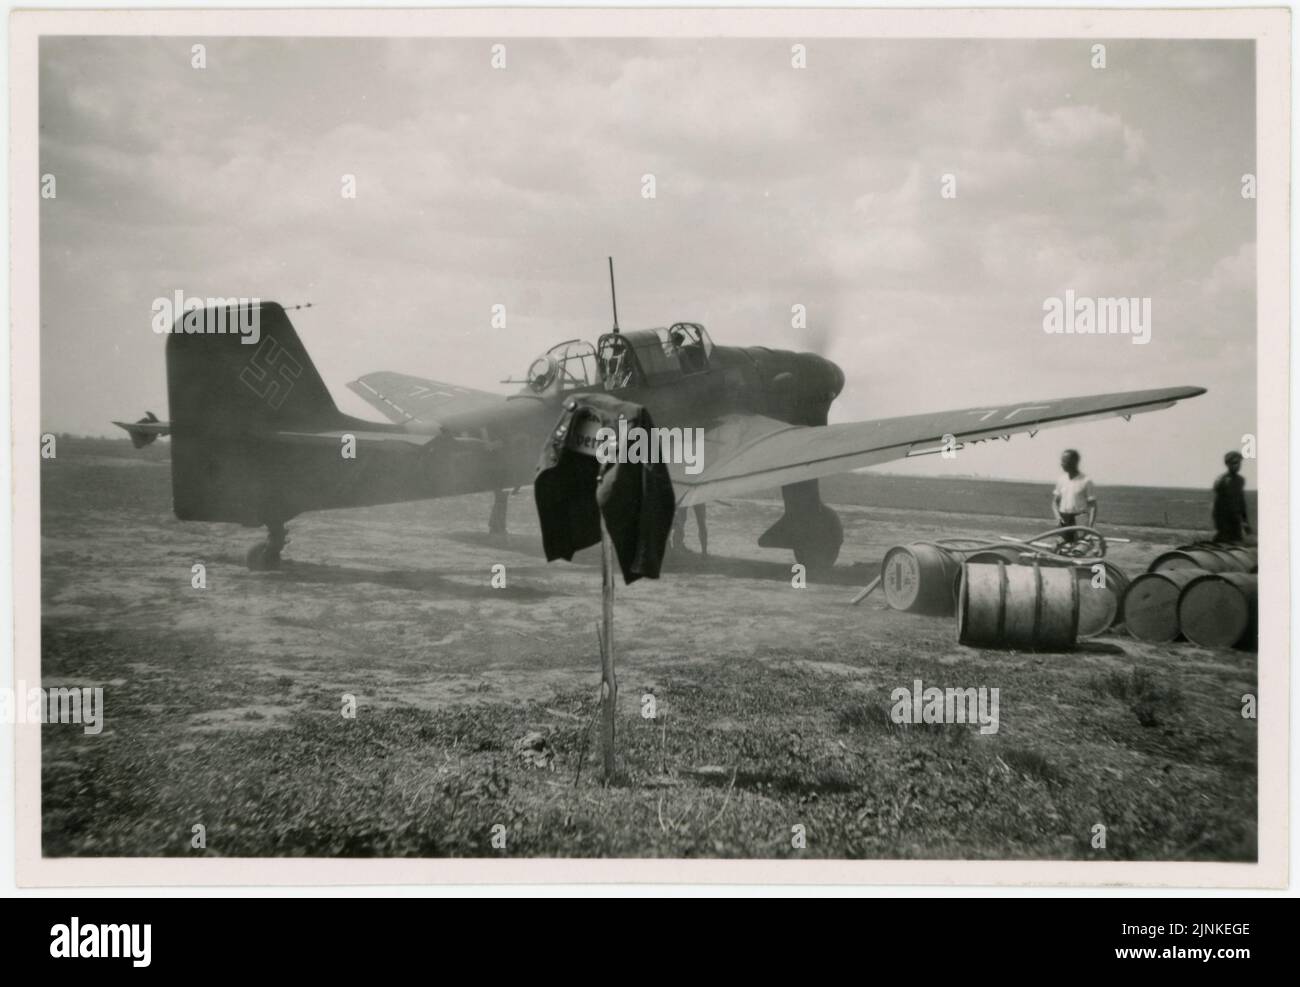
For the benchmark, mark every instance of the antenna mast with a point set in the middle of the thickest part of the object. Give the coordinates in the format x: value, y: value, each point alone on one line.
x: 612, y: 294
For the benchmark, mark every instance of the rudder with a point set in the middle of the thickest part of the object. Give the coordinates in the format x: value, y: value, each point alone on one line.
x: 255, y: 373
x: 227, y: 397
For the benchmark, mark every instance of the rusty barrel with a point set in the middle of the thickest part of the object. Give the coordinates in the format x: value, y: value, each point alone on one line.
x: 1101, y: 597
x: 1018, y: 606
x: 1211, y: 558
x: 1220, y: 610
x: 920, y: 578
x: 1151, y: 603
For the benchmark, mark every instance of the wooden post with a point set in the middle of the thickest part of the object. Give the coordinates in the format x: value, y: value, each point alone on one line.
x: 609, y: 684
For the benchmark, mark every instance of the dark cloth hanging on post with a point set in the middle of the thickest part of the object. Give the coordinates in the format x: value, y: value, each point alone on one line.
x: 635, y: 499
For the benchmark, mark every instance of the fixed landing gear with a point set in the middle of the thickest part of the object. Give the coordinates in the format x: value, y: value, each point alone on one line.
x: 819, y: 545
x: 808, y: 527
x: 265, y: 556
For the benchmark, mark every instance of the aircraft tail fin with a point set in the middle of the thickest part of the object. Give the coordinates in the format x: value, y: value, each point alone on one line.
x: 243, y: 366
x: 239, y: 376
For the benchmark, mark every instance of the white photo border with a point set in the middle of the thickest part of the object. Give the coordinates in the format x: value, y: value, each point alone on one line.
x: 1269, y: 28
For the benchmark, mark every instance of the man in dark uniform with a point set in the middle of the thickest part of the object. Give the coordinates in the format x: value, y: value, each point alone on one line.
x: 1230, y: 520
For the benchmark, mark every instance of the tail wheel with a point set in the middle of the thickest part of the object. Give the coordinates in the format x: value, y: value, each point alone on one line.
x: 820, y: 539
x: 263, y: 557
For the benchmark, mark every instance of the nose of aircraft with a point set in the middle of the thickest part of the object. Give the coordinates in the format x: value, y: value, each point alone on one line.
x: 830, y: 375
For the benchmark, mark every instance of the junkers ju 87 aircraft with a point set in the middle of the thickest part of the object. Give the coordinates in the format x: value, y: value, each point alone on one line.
x: 256, y: 436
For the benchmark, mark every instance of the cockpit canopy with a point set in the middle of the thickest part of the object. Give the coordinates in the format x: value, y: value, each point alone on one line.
x: 567, y: 366
x: 643, y: 357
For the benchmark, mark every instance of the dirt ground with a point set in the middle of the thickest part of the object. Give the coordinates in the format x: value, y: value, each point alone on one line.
x: 474, y: 704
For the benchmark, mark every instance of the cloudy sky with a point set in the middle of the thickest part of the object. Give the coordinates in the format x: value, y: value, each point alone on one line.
x: 775, y: 186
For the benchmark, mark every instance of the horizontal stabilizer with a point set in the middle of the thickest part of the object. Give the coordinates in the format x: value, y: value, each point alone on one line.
x: 401, y: 398
x: 146, y: 430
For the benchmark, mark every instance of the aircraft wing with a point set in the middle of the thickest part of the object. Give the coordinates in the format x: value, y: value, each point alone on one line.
x: 748, y: 453
x: 401, y: 398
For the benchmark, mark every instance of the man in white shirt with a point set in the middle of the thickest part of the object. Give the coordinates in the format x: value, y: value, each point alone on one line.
x: 1073, y: 495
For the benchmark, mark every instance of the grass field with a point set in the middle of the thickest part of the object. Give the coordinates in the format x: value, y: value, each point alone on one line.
x: 474, y: 705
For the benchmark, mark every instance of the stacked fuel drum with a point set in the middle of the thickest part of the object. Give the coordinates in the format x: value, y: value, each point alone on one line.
x: 1003, y: 596
x: 1206, y: 593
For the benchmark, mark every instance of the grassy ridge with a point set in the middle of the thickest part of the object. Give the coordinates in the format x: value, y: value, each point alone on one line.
x: 1157, y: 507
